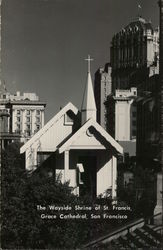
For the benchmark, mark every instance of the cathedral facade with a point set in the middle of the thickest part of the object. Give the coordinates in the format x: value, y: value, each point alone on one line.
x: 133, y: 51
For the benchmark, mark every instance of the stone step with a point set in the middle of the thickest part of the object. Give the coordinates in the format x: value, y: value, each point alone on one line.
x: 146, y: 238
x: 140, y: 239
x: 153, y: 232
x: 134, y: 240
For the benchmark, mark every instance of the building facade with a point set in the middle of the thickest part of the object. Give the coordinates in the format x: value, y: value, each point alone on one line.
x: 133, y: 50
x: 148, y: 121
x: 125, y: 114
x: 102, y: 88
x: 121, y: 118
x: 21, y: 114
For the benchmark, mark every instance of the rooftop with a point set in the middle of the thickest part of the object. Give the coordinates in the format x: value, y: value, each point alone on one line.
x: 25, y: 98
x: 126, y: 92
x: 136, y: 25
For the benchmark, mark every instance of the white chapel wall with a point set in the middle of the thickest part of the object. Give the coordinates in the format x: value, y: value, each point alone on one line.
x: 48, y: 141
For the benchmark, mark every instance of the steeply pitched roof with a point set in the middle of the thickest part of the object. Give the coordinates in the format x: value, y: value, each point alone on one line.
x: 88, y: 98
x: 43, y: 130
x: 99, y: 129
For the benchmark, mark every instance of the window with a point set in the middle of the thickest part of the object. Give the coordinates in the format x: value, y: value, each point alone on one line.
x: 28, y: 133
x: 37, y: 128
x: 18, y: 129
x: 37, y: 112
x: 28, y: 112
x: 28, y: 127
x: 18, y: 112
x: 134, y: 123
x: 28, y: 119
x: 18, y: 119
x: 37, y: 119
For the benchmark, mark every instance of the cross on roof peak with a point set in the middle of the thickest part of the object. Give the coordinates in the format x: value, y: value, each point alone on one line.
x: 89, y: 59
x: 139, y: 7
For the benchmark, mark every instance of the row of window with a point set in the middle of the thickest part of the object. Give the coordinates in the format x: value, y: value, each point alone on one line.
x: 28, y: 112
x: 28, y: 129
x: 28, y: 126
x: 28, y: 119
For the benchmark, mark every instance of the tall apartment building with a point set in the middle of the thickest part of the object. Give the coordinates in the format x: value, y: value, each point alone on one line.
x: 121, y: 118
x: 133, y: 51
x: 102, y: 88
x: 21, y: 115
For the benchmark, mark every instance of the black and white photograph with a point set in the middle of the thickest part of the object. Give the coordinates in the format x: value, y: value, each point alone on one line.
x: 81, y: 124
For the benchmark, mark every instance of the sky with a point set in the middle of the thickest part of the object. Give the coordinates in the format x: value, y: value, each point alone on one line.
x: 45, y: 42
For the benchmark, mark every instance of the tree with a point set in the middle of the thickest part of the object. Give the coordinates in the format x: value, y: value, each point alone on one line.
x: 22, y: 226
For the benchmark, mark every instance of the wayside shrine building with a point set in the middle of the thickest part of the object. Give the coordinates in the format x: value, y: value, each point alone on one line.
x: 73, y: 147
